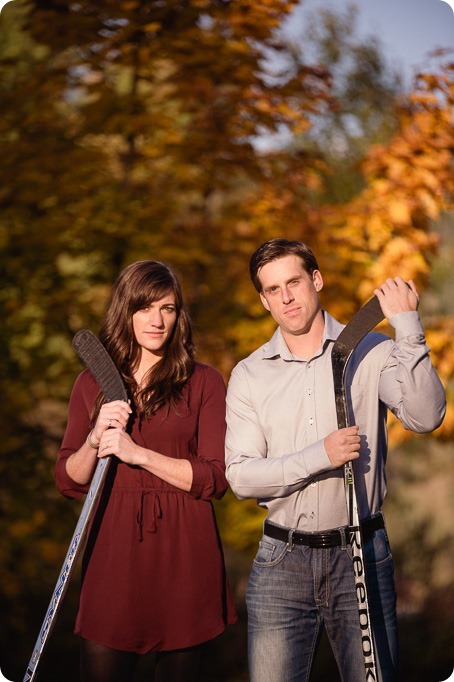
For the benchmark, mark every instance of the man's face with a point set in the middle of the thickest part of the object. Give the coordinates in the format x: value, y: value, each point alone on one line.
x: 290, y: 294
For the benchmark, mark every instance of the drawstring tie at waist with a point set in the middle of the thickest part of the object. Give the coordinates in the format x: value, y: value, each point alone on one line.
x: 153, y: 513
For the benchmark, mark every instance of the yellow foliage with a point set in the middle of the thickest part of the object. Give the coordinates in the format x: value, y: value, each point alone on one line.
x: 21, y: 529
x: 378, y: 230
x: 440, y: 338
x: 152, y: 27
x: 409, y: 181
x: 51, y: 551
x: 400, y: 212
x: 156, y: 160
x: 429, y: 203
x: 245, y: 522
x: 397, y: 169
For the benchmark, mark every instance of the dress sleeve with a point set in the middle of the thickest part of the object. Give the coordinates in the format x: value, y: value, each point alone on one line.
x: 209, y: 481
x: 83, y: 396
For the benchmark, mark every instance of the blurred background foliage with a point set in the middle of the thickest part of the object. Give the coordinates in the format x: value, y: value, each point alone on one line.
x: 191, y: 132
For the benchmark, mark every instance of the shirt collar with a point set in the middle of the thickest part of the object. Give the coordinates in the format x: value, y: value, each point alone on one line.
x: 277, y: 348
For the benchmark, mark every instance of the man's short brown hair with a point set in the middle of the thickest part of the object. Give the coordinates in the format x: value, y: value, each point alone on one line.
x: 278, y: 248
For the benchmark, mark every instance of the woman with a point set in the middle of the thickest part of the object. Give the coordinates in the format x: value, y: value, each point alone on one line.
x: 153, y: 570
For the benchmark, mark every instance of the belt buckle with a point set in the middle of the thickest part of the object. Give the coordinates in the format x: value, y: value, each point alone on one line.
x: 322, y: 541
x: 326, y: 540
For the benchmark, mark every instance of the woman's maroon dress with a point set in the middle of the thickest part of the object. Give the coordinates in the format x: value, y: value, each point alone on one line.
x: 153, y: 569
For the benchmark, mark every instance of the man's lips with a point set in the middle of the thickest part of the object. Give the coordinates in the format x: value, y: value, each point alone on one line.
x: 291, y: 311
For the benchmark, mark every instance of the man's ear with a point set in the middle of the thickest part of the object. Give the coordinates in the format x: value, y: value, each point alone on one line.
x: 264, y: 301
x: 318, y: 280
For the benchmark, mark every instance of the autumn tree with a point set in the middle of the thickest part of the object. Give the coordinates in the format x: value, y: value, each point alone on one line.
x: 134, y: 130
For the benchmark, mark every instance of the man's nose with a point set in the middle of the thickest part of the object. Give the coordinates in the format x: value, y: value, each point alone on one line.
x: 287, y: 296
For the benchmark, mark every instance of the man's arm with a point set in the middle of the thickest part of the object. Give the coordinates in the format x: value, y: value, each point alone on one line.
x: 409, y: 384
x: 252, y: 472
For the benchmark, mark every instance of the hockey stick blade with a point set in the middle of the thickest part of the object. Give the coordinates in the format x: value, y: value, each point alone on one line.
x: 98, y: 361
x: 349, y: 338
x: 361, y: 323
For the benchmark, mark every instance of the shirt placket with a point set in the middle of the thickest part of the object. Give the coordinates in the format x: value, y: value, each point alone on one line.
x: 309, y: 416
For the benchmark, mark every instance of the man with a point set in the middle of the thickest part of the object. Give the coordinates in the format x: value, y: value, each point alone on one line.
x: 283, y: 447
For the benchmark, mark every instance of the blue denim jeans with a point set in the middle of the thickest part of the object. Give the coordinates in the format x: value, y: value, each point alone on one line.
x: 294, y: 591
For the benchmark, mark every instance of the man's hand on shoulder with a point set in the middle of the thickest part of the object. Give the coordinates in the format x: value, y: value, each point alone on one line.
x: 396, y: 296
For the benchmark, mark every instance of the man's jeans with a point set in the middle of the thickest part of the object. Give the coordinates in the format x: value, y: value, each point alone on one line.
x: 293, y: 592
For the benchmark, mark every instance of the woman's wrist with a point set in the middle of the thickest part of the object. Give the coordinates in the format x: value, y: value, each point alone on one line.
x: 90, y: 441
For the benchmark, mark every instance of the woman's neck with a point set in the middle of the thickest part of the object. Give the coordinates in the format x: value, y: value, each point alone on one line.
x: 146, y: 362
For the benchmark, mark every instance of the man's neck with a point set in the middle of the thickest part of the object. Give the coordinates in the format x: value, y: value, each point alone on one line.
x: 305, y: 345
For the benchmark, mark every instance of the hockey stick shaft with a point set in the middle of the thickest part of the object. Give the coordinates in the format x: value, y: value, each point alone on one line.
x: 96, y: 358
x: 364, y: 320
x: 62, y: 584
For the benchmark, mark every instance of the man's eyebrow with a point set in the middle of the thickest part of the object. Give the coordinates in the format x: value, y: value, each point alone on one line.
x: 287, y: 281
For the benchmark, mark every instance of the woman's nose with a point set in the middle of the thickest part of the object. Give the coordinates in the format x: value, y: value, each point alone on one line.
x: 156, y: 319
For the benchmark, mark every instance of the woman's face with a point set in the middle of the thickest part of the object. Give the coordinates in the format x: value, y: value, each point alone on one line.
x: 153, y: 326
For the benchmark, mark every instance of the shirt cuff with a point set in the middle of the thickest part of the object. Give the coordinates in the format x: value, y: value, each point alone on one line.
x: 316, y: 458
x: 406, y: 324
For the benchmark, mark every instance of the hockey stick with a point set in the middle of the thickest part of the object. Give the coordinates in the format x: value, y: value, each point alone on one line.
x: 361, y: 323
x: 97, y: 360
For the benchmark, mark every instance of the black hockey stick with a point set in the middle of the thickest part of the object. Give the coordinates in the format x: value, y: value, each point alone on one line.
x: 365, y: 319
x: 97, y: 360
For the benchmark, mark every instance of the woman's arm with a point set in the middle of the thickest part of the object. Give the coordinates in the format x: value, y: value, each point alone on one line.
x: 203, y: 475
x: 77, y: 459
x: 177, y: 472
x: 81, y: 465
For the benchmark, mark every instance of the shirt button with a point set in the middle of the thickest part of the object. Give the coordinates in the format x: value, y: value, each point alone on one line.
x: 311, y: 421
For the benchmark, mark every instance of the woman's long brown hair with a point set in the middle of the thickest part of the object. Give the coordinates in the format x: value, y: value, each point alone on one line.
x: 137, y: 286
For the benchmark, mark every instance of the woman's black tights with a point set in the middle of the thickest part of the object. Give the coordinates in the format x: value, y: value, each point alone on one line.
x: 102, y: 664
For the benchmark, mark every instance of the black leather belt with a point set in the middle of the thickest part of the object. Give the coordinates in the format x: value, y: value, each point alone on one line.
x: 328, y: 538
